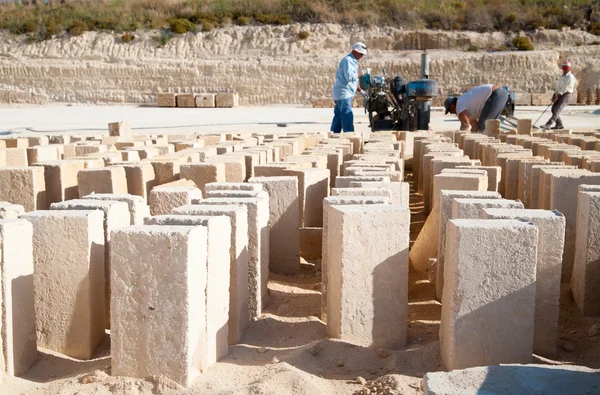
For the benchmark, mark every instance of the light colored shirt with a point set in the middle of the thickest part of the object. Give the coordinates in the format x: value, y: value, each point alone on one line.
x: 566, y: 84
x: 474, y: 100
x: 346, y: 78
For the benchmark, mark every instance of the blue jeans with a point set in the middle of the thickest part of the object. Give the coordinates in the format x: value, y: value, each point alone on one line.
x: 342, y: 116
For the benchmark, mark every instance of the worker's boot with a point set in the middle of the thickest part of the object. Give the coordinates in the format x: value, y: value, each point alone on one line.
x: 558, y: 126
x: 547, y: 126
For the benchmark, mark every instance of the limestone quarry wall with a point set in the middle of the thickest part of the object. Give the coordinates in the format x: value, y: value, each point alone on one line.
x: 270, y: 65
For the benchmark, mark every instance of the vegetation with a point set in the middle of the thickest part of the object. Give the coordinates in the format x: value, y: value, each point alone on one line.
x: 127, y: 37
x: 303, y: 35
x: 523, y: 44
x: 181, y: 16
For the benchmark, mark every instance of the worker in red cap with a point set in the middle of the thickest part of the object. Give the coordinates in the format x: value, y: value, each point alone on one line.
x: 562, y: 94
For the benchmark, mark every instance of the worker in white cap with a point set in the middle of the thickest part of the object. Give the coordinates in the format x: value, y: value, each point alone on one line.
x: 345, y: 87
x: 562, y: 95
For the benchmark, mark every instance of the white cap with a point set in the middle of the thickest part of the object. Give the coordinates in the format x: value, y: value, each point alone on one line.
x: 360, y: 47
x: 566, y: 63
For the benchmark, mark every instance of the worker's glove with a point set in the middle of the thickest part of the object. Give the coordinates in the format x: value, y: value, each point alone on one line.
x: 365, y: 95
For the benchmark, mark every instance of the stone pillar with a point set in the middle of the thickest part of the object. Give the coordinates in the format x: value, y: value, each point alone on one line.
x: 17, y: 322
x: 258, y: 247
x: 69, y: 280
x: 284, y: 248
x: 551, y: 229
x: 367, y: 299
x: 496, y: 326
x: 217, y: 264
x: 586, y: 270
x: 239, y: 317
x: 145, y: 302
x: 327, y: 204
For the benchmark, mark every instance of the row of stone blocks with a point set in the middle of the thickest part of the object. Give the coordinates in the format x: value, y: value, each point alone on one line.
x: 203, y: 100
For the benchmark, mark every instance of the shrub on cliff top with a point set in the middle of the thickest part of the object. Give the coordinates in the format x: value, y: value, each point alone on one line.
x: 523, y: 44
x: 127, y: 37
x: 78, y: 28
x: 181, y: 26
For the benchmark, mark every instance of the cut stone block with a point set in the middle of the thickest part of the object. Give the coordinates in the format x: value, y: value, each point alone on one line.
x: 499, y: 256
x: 107, y: 180
x: 313, y: 187
x: 524, y: 174
x: 206, y: 100
x: 120, y: 129
x: 144, y: 304
x: 164, y: 200
x: 469, y: 208
x: 42, y: 153
x: 361, y: 192
x: 327, y: 204
x: 61, y: 180
x: 167, y: 170
x: 258, y: 247
x: 140, y: 178
x: 563, y: 194
x: 494, y: 174
x: 116, y: 215
x: 17, y: 322
x: 68, y: 249
x: 551, y: 235
x: 186, y: 100
x: 24, y: 186
x: 204, y: 173
x: 585, y: 282
x: 311, y: 243
x: 436, y: 166
x: 138, y: 209
x: 284, y: 248
x: 235, y: 186
x: 367, y: 298
x: 227, y: 100
x: 235, y: 167
x: 534, y: 182
x: 458, y: 182
x: 217, y: 296
x: 15, y: 157
x: 399, y: 191
x: 9, y: 210
x: 239, y: 317
x: 165, y: 99
x: 445, y: 213
x: 524, y: 126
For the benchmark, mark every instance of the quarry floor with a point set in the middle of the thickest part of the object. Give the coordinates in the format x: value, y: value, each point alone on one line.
x: 80, y: 118
x: 286, y: 351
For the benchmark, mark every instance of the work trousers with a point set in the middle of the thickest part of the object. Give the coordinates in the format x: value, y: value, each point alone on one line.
x: 557, y: 107
x: 492, y: 109
x: 343, y: 118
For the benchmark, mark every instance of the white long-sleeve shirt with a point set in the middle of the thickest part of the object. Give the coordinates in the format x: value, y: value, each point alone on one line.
x: 566, y: 84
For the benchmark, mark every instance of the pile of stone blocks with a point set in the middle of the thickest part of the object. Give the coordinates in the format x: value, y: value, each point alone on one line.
x: 198, y: 100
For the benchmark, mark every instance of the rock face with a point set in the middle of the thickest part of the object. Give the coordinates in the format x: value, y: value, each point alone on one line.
x: 98, y: 67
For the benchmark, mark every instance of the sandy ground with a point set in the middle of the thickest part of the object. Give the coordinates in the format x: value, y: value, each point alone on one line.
x: 75, y: 119
x: 286, y: 351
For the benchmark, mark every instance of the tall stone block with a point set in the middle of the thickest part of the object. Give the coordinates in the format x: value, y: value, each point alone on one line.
x: 140, y: 178
x: 367, y: 300
x: 327, y: 204
x: 17, y: 322
x: 313, y: 187
x: 217, y: 265
x: 496, y: 326
x: 24, y: 186
x: 551, y: 235
x: 116, y: 215
x: 585, y: 282
x: 239, y: 317
x: 69, y: 280
x: 258, y: 247
x: 458, y: 182
x: 61, y: 180
x: 284, y: 248
x: 145, y: 302
x: 469, y: 208
x: 105, y: 180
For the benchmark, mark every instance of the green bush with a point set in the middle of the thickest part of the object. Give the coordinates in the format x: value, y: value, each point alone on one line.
x: 303, y: 35
x: 78, y: 28
x: 127, y: 37
x: 244, y: 20
x: 473, y: 48
x: 181, y: 26
x: 207, y: 26
x: 523, y: 44
x: 594, y: 28
x: 53, y: 28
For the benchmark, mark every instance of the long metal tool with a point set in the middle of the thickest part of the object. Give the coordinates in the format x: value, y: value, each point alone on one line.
x: 533, y: 126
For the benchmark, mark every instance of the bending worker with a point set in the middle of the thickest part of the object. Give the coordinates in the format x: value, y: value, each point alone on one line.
x: 562, y: 95
x: 478, y: 105
x: 346, y: 85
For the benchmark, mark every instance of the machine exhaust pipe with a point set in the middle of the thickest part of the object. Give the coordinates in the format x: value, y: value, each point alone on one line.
x: 425, y: 65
